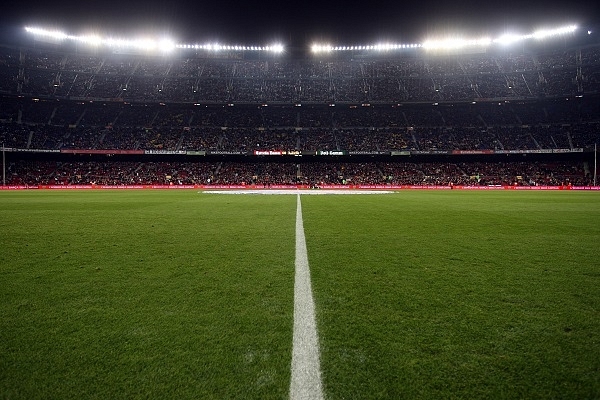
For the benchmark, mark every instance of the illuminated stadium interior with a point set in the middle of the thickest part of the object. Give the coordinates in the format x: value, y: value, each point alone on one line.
x: 434, y: 113
x: 166, y: 45
x: 139, y: 261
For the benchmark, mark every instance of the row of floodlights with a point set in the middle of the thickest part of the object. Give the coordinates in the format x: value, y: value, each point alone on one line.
x: 452, y: 43
x: 278, y: 48
x: 167, y: 45
x: 325, y: 48
x: 164, y: 45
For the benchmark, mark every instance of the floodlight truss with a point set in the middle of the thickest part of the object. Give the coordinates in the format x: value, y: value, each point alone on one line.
x: 277, y: 48
x: 449, y: 43
x: 164, y: 45
x: 167, y: 45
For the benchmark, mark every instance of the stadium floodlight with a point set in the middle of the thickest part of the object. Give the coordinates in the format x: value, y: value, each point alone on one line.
x: 277, y: 48
x: 447, y: 43
x: 166, y: 45
x: 508, y: 38
x: 47, y: 33
x: 321, y: 48
x: 544, y: 33
x: 455, y: 43
x: 91, y: 40
x: 538, y: 35
x: 145, y: 44
x: 384, y: 47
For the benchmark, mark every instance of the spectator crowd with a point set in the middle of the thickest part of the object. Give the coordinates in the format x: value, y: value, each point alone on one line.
x: 52, y: 100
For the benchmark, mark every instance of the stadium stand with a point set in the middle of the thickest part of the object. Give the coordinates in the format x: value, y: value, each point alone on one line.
x: 508, y: 118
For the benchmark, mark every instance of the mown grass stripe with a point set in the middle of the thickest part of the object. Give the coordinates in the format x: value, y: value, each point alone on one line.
x: 306, y: 371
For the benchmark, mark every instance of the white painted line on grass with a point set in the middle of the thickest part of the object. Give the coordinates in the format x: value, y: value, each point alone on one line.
x: 306, y: 369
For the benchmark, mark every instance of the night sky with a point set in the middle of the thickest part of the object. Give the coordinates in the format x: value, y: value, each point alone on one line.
x: 298, y: 23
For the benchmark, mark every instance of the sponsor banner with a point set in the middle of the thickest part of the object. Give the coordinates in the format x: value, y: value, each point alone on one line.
x: 377, y: 187
x: 94, y: 151
x: 334, y: 187
x: 67, y: 187
x: 268, y: 152
x: 368, y: 153
x: 584, y: 188
x: 417, y: 152
x: 274, y: 186
x: 173, y: 187
x: 538, y: 187
x: 428, y: 187
x: 339, y: 187
x: 17, y: 187
x: 226, y: 152
x: 400, y: 153
x: 119, y: 187
x: 195, y: 153
x: 277, y: 153
x: 164, y: 152
x: 16, y: 150
x: 543, y: 151
x: 472, y: 152
x: 331, y: 153
x: 480, y: 187
x: 222, y: 187
x: 500, y: 187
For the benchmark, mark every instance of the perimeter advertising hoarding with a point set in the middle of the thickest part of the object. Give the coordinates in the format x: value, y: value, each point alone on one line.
x: 226, y: 152
x: 165, y: 152
x: 292, y: 187
x: 277, y: 153
x: 95, y: 151
x: 12, y: 149
x: 368, y: 153
x: 332, y: 153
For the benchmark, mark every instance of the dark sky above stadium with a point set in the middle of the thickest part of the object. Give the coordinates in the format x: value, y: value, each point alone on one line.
x: 296, y: 22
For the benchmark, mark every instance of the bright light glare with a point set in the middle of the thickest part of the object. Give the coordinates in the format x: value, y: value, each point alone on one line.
x: 539, y: 35
x: 449, y: 43
x: 456, y: 43
x: 167, y: 45
x: 508, y: 38
x: 92, y: 40
x: 326, y: 48
x: 544, y: 33
x: 277, y: 48
x: 321, y: 48
x: 140, y: 44
x: 147, y: 44
x: 47, y: 33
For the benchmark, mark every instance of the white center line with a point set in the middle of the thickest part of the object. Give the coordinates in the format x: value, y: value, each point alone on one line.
x: 306, y: 369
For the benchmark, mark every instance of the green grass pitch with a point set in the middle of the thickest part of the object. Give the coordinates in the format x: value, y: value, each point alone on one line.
x: 419, y: 294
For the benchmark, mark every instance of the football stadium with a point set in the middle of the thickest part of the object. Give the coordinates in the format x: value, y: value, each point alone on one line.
x: 348, y: 221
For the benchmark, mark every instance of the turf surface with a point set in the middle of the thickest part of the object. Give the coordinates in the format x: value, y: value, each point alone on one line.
x: 175, y: 294
x: 145, y: 295
x: 457, y: 294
